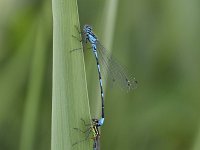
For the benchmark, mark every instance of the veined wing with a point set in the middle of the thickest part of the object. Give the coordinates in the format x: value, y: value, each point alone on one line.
x: 117, y: 73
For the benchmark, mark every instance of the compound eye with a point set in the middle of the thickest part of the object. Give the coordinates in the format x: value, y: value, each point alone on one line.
x: 89, y: 28
x: 95, y: 120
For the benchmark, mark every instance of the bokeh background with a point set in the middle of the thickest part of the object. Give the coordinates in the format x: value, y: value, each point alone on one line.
x: 159, y: 43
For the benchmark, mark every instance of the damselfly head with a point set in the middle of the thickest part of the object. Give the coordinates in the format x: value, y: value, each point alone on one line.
x: 87, y: 28
x: 95, y: 121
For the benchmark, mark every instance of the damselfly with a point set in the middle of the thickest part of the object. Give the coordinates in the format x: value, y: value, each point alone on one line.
x: 91, y: 129
x: 116, y: 72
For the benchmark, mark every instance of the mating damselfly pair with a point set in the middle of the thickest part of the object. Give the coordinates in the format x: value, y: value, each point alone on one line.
x: 116, y: 73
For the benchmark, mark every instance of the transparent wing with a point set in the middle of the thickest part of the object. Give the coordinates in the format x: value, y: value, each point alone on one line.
x: 117, y: 73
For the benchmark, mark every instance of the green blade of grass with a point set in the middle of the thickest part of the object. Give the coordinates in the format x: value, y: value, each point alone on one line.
x: 111, y: 9
x: 18, y: 66
x: 70, y: 99
x: 35, y: 87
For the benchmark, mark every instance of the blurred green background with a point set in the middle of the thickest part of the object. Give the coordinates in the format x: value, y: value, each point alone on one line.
x: 158, y: 41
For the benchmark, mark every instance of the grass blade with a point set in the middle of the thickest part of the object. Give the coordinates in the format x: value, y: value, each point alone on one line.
x: 34, y: 89
x: 70, y: 99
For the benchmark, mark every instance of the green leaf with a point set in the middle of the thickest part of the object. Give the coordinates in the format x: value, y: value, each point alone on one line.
x: 70, y: 97
x: 34, y: 89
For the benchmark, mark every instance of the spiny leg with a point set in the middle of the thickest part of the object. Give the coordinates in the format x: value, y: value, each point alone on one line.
x: 85, y: 122
x: 80, y: 40
x: 86, y: 138
x: 77, y: 129
x: 77, y: 28
x: 75, y: 49
x: 79, y: 31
